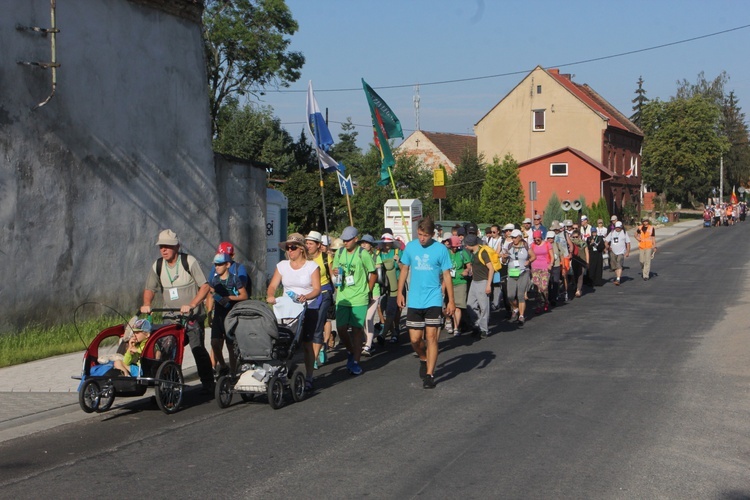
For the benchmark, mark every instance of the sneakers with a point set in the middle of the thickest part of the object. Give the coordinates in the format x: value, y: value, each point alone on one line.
x: 367, y: 351
x: 429, y: 382
x: 422, y: 369
x: 309, y: 387
x: 514, y: 315
x: 394, y: 339
x: 322, y: 356
x: 349, y: 361
x: 483, y: 335
x: 521, y: 320
x: 617, y: 282
x: 355, y: 369
x: 449, y: 327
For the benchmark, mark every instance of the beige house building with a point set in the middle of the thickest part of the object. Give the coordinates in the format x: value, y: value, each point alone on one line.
x: 437, y: 149
x: 546, y: 112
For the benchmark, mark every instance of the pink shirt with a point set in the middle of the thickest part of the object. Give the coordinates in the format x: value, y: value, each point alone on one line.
x: 542, y: 255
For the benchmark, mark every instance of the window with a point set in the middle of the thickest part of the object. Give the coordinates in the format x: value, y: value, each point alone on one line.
x: 538, y: 120
x: 559, y: 169
x: 538, y: 89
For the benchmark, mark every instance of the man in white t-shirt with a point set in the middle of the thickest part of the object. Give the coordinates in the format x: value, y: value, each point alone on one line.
x: 618, y: 245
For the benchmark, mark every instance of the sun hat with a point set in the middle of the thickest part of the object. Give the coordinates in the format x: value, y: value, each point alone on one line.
x: 568, y: 223
x: 614, y: 217
x: 325, y: 240
x: 618, y: 224
x: 537, y: 234
x: 471, y: 240
x: 509, y: 227
x: 222, y: 258
x: 555, y: 226
x: 225, y: 247
x: 367, y: 239
x: 336, y: 244
x: 313, y: 236
x: 516, y: 232
x: 167, y: 238
x: 349, y: 233
x: 293, y: 239
x: 399, y: 242
x: 550, y: 234
x: 527, y: 221
x: 386, y: 238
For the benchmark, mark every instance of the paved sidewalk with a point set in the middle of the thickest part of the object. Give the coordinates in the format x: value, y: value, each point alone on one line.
x: 41, y: 395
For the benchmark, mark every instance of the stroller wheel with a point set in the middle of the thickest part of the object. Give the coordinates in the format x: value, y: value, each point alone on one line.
x: 89, y: 396
x: 298, y: 386
x: 223, y: 394
x: 106, y: 396
x: 169, y: 387
x: 275, y: 392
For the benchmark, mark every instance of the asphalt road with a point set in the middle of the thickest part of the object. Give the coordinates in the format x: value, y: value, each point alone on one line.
x: 637, y: 391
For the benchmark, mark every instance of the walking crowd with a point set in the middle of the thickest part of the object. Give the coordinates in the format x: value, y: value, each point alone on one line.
x: 363, y: 285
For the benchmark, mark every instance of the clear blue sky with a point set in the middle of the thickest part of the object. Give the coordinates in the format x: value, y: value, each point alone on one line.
x: 405, y: 42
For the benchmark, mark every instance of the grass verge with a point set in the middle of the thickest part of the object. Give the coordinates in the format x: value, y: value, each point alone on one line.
x: 37, y: 342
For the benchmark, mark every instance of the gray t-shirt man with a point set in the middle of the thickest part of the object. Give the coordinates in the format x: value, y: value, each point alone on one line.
x: 618, y: 241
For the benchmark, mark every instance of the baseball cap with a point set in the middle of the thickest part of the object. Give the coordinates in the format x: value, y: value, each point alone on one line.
x: 349, y: 233
x: 222, y: 258
x: 167, y: 238
x: 550, y: 234
x: 618, y: 224
x: 614, y: 217
x: 225, y: 247
x: 516, y: 232
x: 584, y: 217
x: 455, y: 241
x: 509, y: 227
x: 527, y: 221
x: 471, y: 240
x: 537, y: 234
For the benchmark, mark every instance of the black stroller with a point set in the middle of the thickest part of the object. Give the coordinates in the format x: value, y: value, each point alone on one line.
x: 265, y: 341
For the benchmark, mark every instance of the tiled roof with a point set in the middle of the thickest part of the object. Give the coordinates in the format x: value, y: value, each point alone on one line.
x: 576, y: 152
x: 452, y: 145
x: 595, y: 102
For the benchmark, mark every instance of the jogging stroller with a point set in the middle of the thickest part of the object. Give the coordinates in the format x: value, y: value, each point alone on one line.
x: 265, y: 342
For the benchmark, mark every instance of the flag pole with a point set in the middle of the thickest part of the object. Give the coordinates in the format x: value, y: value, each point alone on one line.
x: 349, y: 207
x: 322, y: 192
x: 398, y: 201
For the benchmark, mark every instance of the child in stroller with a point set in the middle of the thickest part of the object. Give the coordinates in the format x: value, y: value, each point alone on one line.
x: 129, y: 365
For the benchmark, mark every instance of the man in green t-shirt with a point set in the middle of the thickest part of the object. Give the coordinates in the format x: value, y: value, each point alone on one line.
x: 354, y: 271
x: 461, y: 260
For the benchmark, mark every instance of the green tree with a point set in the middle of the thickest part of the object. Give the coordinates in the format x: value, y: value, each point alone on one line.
x: 553, y: 211
x: 712, y: 91
x: 502, y: 197
x: 246, y: 43
x: 464, y: 187
x: 638, y: 102
x: 598, y: 211
x: 255, y: 134
x: 682, y: 147
x: 737, y: 159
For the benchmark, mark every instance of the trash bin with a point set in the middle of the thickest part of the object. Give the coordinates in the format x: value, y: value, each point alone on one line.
x: 673, y: 216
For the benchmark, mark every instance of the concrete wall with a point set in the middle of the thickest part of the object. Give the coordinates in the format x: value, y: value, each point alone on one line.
x: 508, y: 127
x: 121, y: 151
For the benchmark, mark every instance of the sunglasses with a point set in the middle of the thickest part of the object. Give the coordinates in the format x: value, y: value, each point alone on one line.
x: 291, y: 248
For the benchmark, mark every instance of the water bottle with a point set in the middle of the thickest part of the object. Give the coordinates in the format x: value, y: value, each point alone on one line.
x: 337, y: 279
x: 292, y: 295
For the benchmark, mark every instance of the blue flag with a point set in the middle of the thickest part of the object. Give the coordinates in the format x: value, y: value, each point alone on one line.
x: 319, y: 133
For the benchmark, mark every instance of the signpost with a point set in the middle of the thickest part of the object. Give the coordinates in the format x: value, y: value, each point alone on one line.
x: 439, y: 190
x: 532, y: 195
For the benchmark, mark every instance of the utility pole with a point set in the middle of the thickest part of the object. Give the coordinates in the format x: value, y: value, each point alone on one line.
x: 721, y: 180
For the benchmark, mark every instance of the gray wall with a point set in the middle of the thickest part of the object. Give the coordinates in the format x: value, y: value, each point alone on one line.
x: 122, y: 151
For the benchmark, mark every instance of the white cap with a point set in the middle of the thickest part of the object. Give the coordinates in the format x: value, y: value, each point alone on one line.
x: 515, y: 233
x: 509, y: 227
x: 618, y: 224
x: 527, y: 221
x: 584, y: 217
x: 550, y: 234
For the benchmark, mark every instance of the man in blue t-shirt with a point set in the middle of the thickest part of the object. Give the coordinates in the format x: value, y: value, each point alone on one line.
x: 424, y: 260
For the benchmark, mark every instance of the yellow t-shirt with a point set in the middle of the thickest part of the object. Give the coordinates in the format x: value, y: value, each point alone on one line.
x: 323, y: 274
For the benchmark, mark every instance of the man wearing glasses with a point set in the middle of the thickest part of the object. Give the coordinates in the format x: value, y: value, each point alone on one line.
x: 355, y: 270
x: 538, y: 226
x: 179, y: 278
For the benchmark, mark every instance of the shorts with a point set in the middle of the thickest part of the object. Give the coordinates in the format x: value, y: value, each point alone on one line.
x: 353, y: 316
x: 565, y: 262
x: 326, y: 300
x: 217, y: 324
x: 310, y: 332
x: 418, y: 319
x: 517, y: 287
x: 616, y: 261
x: 460, y: 292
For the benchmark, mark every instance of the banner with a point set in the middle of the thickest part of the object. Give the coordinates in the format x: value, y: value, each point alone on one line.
x: 385, y: 126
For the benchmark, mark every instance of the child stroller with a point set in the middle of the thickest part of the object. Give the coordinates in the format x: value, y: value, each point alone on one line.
x: 160, y: 368
x: 265, y: 342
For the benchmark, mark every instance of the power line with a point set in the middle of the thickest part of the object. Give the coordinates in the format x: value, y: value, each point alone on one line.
x: 521, y: 72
